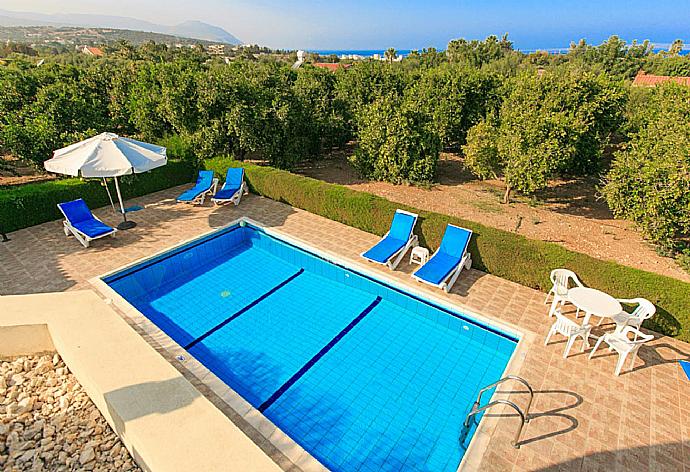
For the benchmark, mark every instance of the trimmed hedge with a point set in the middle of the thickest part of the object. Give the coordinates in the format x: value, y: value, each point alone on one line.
x: 501, y: 253
x: 32, y: 204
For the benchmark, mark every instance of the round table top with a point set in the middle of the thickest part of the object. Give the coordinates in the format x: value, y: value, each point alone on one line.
x: 594, y: 302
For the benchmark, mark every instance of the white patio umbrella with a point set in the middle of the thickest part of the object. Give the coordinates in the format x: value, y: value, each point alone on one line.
x: 107, y: 155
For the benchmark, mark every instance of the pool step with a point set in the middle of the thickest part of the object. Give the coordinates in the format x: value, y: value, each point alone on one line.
x: 476, y: 409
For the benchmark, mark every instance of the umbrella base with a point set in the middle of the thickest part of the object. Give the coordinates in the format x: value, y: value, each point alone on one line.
x: 126, y: 225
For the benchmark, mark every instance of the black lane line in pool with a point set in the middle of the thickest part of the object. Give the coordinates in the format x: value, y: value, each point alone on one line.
x: 244, y: 309
x: 291, y: 381
x: 396, y: 289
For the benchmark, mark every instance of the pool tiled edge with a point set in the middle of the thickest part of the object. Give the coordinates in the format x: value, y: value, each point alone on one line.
x: 268, y: 431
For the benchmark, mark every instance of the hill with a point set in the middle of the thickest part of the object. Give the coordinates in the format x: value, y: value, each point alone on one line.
x: 189, y: 29
x: 71, y: 36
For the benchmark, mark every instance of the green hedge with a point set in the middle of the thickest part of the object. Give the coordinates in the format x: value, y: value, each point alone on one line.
x: 501, y: 253
x: 32, y: 204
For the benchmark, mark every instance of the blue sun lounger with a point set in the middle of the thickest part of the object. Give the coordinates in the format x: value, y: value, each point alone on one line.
x: 205, y: 185
x: 233, y: 188
x: 444, y: 267
x: 80, y: 222
x: 395, y: 243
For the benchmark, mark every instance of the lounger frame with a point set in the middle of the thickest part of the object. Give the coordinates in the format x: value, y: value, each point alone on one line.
x: 395, y: 259
x: 201, y: 198
x: 83, y: 238
x: 465, y: 262
x: 236, y: 197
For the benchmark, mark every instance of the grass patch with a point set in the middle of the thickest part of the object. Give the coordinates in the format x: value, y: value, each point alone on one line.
x: 488, y: 207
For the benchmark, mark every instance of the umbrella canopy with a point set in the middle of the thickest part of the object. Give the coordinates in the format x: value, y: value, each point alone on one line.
x: 106, y: 155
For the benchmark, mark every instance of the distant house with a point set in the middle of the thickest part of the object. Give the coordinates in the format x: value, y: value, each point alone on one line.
x: 216, y: 49
x: 642, y: 79
x: 332, y: 66
x: 90, y: 51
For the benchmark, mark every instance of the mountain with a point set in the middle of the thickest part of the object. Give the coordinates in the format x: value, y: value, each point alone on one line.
x: 190, y: 29
x: 201, y: 30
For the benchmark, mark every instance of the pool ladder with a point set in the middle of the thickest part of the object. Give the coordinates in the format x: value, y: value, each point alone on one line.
x: 477, y: 409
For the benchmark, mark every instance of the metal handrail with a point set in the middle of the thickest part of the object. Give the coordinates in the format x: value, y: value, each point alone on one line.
x: 524, y: 416
x: 505, y: 379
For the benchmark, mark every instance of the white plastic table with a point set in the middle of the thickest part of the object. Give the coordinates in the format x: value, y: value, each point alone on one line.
x: 594, y: 302
x: 419, y: 255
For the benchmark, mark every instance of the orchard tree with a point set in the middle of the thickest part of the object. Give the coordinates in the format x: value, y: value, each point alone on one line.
x: 454, y: 98
x: 549, y: 125
x: 395, y: 143
x: 649, y: 179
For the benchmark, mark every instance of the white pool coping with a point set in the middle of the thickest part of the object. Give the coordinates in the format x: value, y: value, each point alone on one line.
x: 294, y: 452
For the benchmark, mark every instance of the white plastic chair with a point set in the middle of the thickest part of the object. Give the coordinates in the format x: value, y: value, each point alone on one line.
x: 569, y: 329
x: 620, y: 342
x: 562, y: 280
x: 644, y: 310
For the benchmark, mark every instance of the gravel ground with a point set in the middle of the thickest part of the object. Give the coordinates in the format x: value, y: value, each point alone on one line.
x: 47, y: 422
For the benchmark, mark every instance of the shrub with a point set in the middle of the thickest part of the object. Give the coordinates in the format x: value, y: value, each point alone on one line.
x: 649, y: 180
x: 32, y: 204
x: 504, y: 254
x: 395, y: 143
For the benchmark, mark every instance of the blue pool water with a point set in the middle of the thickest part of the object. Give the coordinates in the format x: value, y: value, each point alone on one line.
x: 362, y: 375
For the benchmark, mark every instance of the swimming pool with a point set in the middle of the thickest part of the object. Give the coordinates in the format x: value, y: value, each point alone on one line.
x: 361, y: 374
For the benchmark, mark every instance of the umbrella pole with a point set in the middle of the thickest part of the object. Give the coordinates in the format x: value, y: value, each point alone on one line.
x: 110, y: 197
x: 125, y: 224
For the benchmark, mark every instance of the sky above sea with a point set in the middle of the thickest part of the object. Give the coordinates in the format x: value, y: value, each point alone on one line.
x: 403, y: 24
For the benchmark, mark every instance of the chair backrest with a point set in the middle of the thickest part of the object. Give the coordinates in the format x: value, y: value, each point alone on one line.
x: 565, y: 326
x: 205, y: 178
x: 561, y: 279
x: 402, y: 225
x: 76, y: 211
x: 645, y: 309
x: 638, y: 337
x: 455, y: 241
x: 234, y: 177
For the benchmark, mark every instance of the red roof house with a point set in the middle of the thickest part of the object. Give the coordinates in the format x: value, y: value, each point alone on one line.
x: 332, y: 66
x: 642, y: 79
x: 91, y: 51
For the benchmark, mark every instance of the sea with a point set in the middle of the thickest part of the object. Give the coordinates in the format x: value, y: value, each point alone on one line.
x: 358, y: 52
x: 405, y: 52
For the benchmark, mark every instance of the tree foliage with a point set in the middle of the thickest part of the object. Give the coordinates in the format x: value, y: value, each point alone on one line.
x: 549, y: 125
x: 454, y: 98
x: 395, y: 142
x: 649, y: 179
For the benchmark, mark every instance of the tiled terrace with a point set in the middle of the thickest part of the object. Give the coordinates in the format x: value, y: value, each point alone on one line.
x: 584, y: 418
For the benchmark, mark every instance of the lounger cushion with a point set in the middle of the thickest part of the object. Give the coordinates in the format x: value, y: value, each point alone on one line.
x: 455, y: 241
x: 400, y: 232
x: 203, y: 184
x: 401, y: 226
x: 226, y: 193
x: 437, y: 269
x: 449, y: 256
x: 93, y: 228
x: 234, y: 177
x: 232, y: 185
x: 81, y: 218
x: 384, y: 250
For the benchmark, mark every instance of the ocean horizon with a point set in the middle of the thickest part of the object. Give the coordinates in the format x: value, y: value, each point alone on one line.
x: 405, y: 52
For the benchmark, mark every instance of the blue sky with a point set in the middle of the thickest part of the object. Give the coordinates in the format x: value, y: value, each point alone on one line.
x: 361, y: 24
